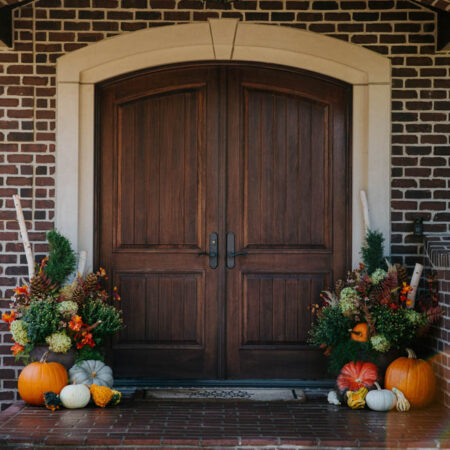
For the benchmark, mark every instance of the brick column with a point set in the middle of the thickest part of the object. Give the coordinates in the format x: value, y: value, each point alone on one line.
x: 438, y: 250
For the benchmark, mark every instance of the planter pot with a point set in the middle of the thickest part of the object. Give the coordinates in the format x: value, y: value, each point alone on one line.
x: 66, y: 359
x: 385, y: 359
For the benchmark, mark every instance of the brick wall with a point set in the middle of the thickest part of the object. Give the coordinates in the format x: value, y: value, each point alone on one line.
x: 46, y: 29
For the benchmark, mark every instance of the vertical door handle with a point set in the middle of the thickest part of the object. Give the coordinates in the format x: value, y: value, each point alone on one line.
x: 231, y: 253
x: 213, y: 251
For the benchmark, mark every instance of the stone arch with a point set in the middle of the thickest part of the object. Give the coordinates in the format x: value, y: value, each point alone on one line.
x: 221, y: 40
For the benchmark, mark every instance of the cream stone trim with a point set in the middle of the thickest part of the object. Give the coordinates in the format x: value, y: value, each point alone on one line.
x: 221, y: 40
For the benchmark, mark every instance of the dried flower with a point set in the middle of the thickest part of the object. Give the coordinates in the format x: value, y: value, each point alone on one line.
x: 59, y: 342
x: 380, y: 343
x: 19, y: 332
x: 348, y: 300
x: 67, y: 308
x: 378, y: 275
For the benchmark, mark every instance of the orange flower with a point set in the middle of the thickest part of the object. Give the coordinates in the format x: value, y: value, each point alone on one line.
x: 17, y: 348
x: 21, y: 290
x: 87, y: 340
x: 76, y: 323
x: 101, y: 272
x: 409, y: 302
x: 116, y: 295
x: 8, y: 318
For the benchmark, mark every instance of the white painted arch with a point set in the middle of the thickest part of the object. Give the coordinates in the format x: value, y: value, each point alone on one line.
x: 224, y: 40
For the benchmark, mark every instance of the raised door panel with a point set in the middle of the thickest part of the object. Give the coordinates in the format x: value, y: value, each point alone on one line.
x: 286, y: 166
x: 275, y: 308
x: 159, y: 183
x: 162, y: 309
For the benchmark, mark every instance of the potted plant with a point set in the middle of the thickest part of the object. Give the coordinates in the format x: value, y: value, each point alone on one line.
x: 368, y: 316
x: 71, y: 320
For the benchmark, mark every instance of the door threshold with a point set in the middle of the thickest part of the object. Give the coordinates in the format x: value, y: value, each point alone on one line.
x: 140, y: 383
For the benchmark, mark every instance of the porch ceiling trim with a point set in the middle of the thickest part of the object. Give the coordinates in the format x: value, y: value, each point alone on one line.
x: 221, y: 40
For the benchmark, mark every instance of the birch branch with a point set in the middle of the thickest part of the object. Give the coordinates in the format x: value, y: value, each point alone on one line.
x: 415, y: 279
x: 82, y: 262
x: 365, y: 208
x: 24, y: 234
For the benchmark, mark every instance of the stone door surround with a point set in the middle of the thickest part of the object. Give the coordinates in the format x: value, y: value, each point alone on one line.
x: 220, y: 40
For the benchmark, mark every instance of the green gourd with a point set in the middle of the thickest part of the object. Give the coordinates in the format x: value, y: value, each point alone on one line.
x: 91, y: 372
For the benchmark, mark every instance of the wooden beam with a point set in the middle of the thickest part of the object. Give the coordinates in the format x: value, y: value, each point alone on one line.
x: 6, y: 22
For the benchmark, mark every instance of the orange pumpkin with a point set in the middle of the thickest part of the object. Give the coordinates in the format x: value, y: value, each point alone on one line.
x: 414, y: 377
x: 360, y: 333
x: 40, y: 377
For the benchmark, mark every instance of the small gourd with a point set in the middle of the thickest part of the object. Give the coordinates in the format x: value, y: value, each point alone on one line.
x: 403, y: 404
x: 52, y: 401
x: 75, y: 396
x: 356, y: 399
x: 92, y: 372
x: 104, y: 396
x: 380, y: 399
x: 360, y: 332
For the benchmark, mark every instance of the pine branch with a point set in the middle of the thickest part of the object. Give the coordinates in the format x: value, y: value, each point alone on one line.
x: 61, y: 260
x: 372, y: 251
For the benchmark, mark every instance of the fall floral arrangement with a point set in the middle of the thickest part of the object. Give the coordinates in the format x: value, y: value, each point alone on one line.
x: 369, y: 313
x: 46, y: 311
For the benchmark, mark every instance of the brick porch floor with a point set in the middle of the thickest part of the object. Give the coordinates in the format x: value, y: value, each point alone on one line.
x: 138, y: 424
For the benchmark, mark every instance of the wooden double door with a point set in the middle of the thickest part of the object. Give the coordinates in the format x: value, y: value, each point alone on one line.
x: 223, y: 209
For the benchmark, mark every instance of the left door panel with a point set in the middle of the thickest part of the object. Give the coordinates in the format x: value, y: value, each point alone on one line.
x: 157, y: 204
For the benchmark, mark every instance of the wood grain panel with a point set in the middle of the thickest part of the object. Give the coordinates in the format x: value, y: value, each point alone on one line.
x: 160, y: 168
x: 162, y: 308
x: 276, y: 307
x: 286, y: 163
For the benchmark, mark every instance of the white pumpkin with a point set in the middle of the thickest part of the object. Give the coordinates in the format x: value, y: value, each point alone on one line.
x: 381, y: 399
x: 75, y: 396
x: 91, y: 372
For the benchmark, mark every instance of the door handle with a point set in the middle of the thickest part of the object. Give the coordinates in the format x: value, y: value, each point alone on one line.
x: 231, y: 253
x: 213, y: 251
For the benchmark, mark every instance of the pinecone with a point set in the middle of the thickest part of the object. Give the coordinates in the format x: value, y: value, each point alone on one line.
x: 90, y: 282
x: 338, y: 286
x: 41, y: 286
x: 402, y: 274
x: 78, y: 295
x: 376, y: 293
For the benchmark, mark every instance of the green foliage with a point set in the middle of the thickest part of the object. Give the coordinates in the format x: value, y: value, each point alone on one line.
x: 88, y: 353
x: 394, y: 325
x: 61, y: 261
x: 110, y: 318
x: 372, y: 251
x: 42, y: 320
x: 331, y: 327
x: 350, y: 350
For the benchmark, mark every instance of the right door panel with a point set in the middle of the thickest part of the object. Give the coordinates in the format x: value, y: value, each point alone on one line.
x: 287, y: 203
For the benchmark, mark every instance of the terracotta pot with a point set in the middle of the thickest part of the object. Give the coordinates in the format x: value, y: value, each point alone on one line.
x: 66, y: 359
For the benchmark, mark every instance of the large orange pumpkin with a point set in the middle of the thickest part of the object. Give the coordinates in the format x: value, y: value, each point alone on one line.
x: 40, y: 377
x: 414, y: 377
x: 360, y: 333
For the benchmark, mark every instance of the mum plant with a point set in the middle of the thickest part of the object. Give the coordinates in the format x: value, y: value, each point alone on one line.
x: 46, y: 311
x: 369, y: 313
